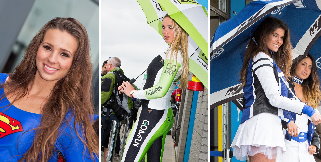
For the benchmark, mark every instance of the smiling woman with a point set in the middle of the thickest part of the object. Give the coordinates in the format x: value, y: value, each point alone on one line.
x: 55, y: 54
x: 275, y: 40
x: 301, y: 141
x: 48, y: 100
x: 267, y: 95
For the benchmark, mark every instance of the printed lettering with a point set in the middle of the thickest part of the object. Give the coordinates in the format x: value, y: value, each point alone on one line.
x: 256, y: 17
x: 153, y: 91
x: 318, y: 62
x: 250, y: 21
x: 186, y: 1
x: 204, y: 65
x: 170, y: 69
x: 234, y: 90
x: 298, y: 4
x: 142, y: 128
x: 203, y: 56
x: 217, y: 52
x: 157, y: 6
x: 278, y: 10
x: 239, y: 102
x: 315, y: 28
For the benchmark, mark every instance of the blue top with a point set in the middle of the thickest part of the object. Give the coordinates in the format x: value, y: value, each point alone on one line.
x: 267, y: 91
x: 17, y: 134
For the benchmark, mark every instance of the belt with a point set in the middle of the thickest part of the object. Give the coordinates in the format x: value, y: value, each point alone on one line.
x: 302, y: 137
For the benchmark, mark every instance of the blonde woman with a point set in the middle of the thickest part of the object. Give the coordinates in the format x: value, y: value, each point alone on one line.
x: 155, y: 118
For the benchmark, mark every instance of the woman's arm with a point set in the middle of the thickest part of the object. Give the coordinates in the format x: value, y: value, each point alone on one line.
x: 315, y: 143
x: 263, y: 69
x: 158, y: 90
x: 292, y: 129
x: 70, y: 145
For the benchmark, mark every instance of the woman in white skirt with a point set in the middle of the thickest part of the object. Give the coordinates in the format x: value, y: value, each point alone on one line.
x: 264, y: 76
x: 300, y: 139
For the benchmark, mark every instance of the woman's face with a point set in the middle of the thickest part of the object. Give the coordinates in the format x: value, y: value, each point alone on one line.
x: 303, y: 68
x: 168, y: 30
x: 55, y: 54
x: 275, y: 39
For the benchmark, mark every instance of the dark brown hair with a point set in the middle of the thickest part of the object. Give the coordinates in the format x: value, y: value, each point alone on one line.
x: 257, y: 44
x: 70, y: 94
x: 311, y: 85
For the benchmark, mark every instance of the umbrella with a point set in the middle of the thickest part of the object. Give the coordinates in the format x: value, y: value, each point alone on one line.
x: 192, y: 17
x: 303, y: 18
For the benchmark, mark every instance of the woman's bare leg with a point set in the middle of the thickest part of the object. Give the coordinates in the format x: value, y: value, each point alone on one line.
x: 105, y: 155
x: 260, y: 158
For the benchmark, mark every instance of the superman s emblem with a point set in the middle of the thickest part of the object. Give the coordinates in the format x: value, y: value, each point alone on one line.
x: 9, y: 125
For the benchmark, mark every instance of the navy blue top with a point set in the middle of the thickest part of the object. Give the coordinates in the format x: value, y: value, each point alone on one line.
x: 267, y: 91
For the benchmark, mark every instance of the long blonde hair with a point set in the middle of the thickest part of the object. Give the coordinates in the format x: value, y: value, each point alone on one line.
x: 180, y: 43
x: 70, y: 94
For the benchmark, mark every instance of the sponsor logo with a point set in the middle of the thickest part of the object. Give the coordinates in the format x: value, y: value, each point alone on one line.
x: 202, y: 63
x: 258, y: 15
x: 234, y: 90
x: 250, y: 21
x: 299, y: 4
x: 239, y: 102
x: 9, y: 125
x: 153, y: 90
x: 277, y: 10
x: 186, y: 1
x: 318, y: 62
x: 315, y: 28
x: 143, y: 127
x: 217, y: 52
x: 203, y: 56
x: 157, y: 6
x: 170, y: 69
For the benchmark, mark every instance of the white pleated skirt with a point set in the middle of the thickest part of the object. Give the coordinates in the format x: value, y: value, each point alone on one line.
x: 260, y: 134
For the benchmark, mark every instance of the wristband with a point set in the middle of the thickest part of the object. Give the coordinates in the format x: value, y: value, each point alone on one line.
x: 131, y: 93
x: 308, y: 110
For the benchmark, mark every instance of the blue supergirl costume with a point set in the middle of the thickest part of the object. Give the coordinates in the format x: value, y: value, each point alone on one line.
x: 17, y: 134
x: 265, y: 97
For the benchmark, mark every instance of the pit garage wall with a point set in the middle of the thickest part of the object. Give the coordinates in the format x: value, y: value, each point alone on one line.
x: 10, y: 28
x: 193, y: 123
